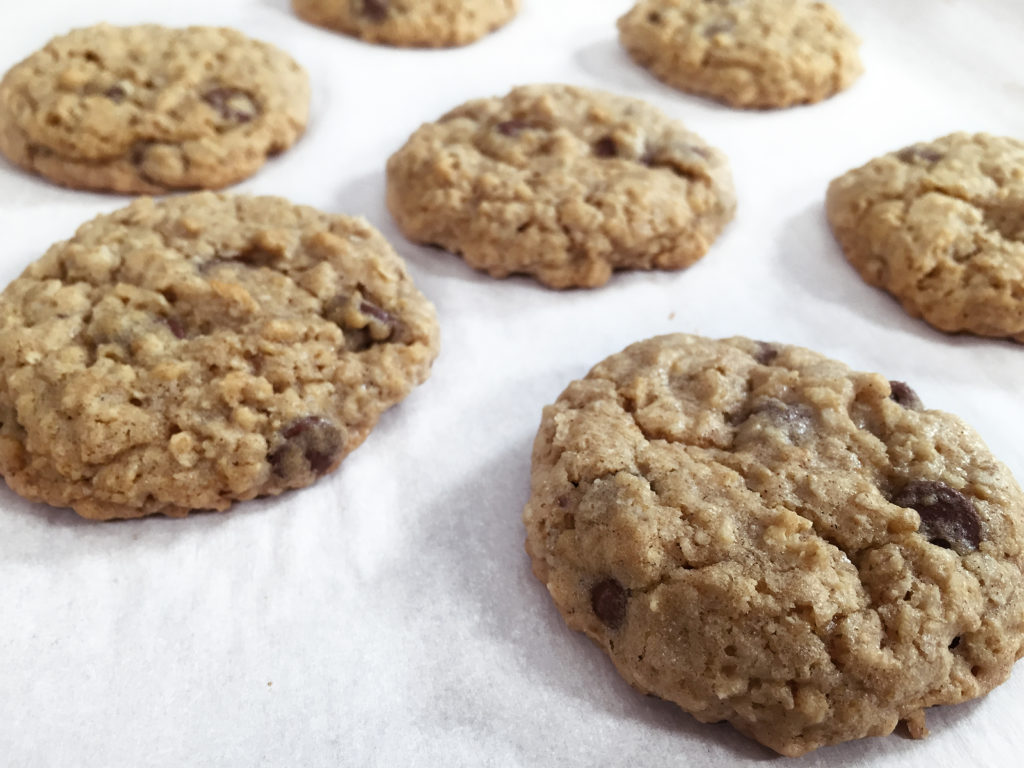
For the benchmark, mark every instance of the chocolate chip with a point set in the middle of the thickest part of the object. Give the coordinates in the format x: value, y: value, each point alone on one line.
x: 608, y: 601
x: 375, y: 10
x: 905, y: 396
x: 256, y: 257
x: 606, y: 147
x: 371, y: 309
x: 954, y: 642
x: 948, y: 518
x: 115, y: 93
x: 511, y: 127
x: 175, y: 326
x: 915, y: 153
x: 765, y: 352
x: 233, y: 104
x: 795, y: 419
x: 311, y: 442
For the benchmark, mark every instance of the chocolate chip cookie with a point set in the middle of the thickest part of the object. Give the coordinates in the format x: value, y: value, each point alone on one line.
x: 562, y: 183
x: 187, y: 354
x: 411, y: 23
x: 761, y: 535
x: 940, y: 226
x: 149, y: 109
x: 746, y: 53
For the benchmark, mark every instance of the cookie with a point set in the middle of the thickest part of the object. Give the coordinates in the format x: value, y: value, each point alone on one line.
x: 940, y: 226
x: 410, y: 23
x: 745, y: 53
x: 562, y: 183
x: 149, y: 109
x: 761, y: 535
x: 206, y: 349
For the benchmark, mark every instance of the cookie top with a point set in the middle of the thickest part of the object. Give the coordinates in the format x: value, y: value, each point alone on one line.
x: 410, y: 23
x: 764, y: 536
x: 149, y: 109
x: 746, y: 53
x: 562, y: 183
x: 940, y: 226
x: 185, y: 354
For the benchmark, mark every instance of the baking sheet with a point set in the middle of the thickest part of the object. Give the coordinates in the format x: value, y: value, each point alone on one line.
x: 387, y: 616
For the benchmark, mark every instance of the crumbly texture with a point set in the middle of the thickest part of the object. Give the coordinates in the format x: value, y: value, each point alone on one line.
x: 410, y: 23
x: 186, y: 354
x: 940, y: 226
x: 746, y: 53
x: 764, y: 536
x: 149, y: 109
x: 562, y: 183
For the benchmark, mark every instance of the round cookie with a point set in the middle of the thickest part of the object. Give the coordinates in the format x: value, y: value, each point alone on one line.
x: 410, y: 23
x: 562, y: 183
x: 745, y: 53
x: 940, y: 226
x: 205, y: 349
x: 761, y: 535
x: 149, y: 109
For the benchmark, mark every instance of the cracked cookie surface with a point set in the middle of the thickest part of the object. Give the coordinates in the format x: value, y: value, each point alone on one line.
x: 410, y: 23
x: 745, y: 53
x: 761, y: 535
x: 561, y: 183
x: 940, y: 226
x: 205, y: 349
x: 149, y: 109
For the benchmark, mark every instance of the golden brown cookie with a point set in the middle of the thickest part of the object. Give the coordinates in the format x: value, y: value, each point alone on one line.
x: 206, y: 349
x: 410, y: 23
x: 746, y: 53
x: 561, y: 183
x: 150, y: 109
x: 761, y: 535
x: 940, y: 226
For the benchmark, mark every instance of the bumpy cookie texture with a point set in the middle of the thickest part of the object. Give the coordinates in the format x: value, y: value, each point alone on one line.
x: 412, y: 23
x: 940, y: 225
x: 561, y: 183
x: 149, y: 109
x: 764, y: 536
x: 746, y: 53
x: 186, y: 354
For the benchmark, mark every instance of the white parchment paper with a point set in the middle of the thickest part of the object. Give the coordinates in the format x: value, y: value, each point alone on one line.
x: 387, y: 616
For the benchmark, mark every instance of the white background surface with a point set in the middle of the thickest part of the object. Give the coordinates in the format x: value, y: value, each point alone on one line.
x: 388, y: 616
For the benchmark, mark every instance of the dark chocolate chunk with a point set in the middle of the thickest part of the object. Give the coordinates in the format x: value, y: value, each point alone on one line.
x: 948, y: 518
x: 512, y: 127
x: 375, y: 10
x: 311, y: 442
x: 233, y: 104
x: 905, y: 396
x: 606, y: 147
x: 608, y: 601
x: 954, y: 642
x: 915, y: 153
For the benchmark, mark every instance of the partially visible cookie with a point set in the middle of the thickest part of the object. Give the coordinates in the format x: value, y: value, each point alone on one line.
x: 761, y: 535
x: 562, y: 183
x: 411, y: 23
x: 746, y: 53
x: 150, y: 109
x: 940, y: 225
x: 186, y: 354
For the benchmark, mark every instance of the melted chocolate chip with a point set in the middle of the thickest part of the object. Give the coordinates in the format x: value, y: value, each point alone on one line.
x: 765, y: 352
x: 905, y: 396
x: 115, y: 93
x: 606, y: 147
x: 915, y: 153
x: 608, y: 601
x: 511, y: 127
x: 375, y: 10
x: 795, y: 419
x: 311, y: 442
x: 948, y: 518
x: 175, y: 326
x: 232, y: 104
x: 371, y: 309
